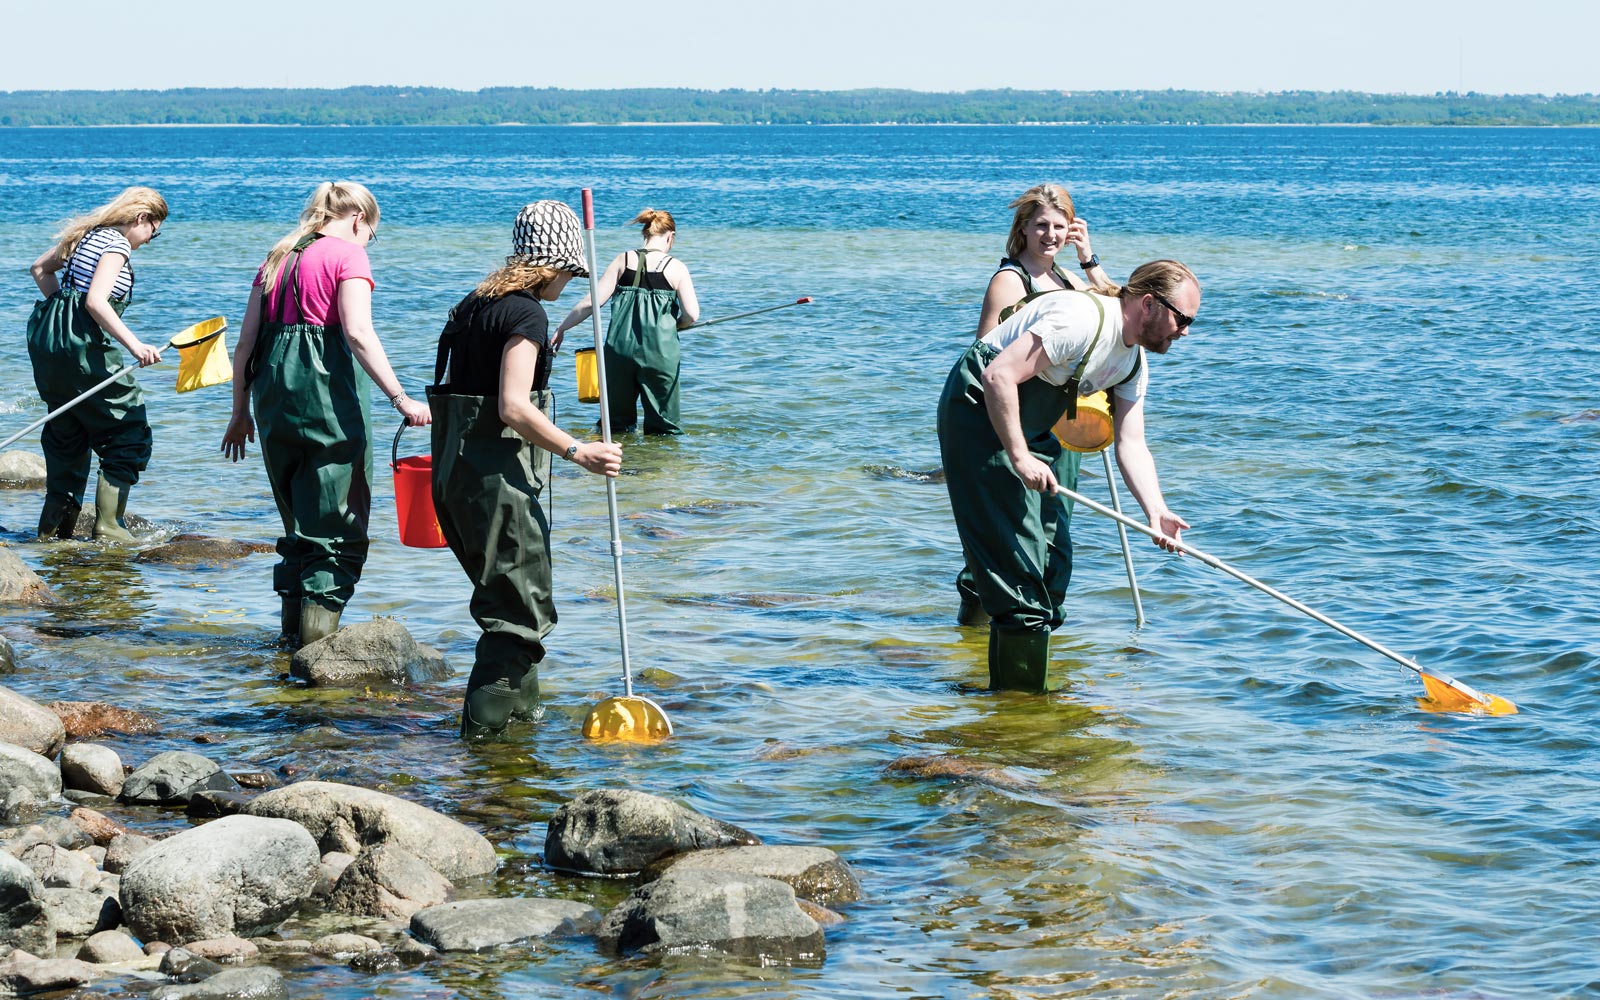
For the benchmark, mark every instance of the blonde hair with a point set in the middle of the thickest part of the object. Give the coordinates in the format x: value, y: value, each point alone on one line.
x: 1159, y: 277
x: 1032, y: 200
x: 656, y: 222
x: 331, y: 200
x: 124, y: 209
x: 517, y: 276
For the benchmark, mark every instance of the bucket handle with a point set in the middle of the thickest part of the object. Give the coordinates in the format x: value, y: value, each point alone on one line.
x: 394, y: 450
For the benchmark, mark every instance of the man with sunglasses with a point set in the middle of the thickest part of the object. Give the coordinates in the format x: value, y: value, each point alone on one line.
x: 995, y: 418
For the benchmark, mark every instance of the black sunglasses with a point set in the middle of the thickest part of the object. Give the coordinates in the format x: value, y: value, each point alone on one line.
x: 1183, y: 319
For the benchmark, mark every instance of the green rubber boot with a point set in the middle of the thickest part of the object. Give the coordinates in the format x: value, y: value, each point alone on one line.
x: 317, y: 622
x: 971, y: 613
x: 59, y: 517
x: 289, y: 619
x: 1019, y: 661
x: 110, y: 504
x: 487, y: 709
x: 527, y: 695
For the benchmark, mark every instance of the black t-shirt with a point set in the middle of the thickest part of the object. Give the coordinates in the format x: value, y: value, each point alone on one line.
x: 482, y: 330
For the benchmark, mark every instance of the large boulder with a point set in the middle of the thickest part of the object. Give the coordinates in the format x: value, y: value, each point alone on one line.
x: 21, y: 470
x: 27, y: 723
x: 92, y: 767
x: 24, y: 920
x: 715, y: 913
x: 27, y: 781
x: 614, y: 831
x: 378, y: 651
x: 389, y: 882
x: 814, y: 873
x: 477, y: 924
x: 19, y: 584
x: 172, y: 777
x: 238, y: 875
x: 346, y: 818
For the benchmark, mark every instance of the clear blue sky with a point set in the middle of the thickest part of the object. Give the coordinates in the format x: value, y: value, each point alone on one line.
x: 1398, y: 46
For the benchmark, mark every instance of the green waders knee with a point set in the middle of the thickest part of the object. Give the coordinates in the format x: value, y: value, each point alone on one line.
x: 110, y: 504
x: 1019, y: 661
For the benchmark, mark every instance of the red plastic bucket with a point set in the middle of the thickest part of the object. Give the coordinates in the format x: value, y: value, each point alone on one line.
x: 413, y: 498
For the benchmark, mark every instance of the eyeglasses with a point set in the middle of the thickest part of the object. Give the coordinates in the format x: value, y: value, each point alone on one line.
x: 372, y: 234
x: 1183, y: 318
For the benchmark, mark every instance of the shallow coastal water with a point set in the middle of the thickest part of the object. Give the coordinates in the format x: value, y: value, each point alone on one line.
x: 1378, y: 412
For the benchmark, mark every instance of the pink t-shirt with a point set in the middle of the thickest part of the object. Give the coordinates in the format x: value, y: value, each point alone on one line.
x: 323, y: 265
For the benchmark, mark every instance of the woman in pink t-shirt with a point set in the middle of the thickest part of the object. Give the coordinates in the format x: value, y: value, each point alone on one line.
x: 306, y: 330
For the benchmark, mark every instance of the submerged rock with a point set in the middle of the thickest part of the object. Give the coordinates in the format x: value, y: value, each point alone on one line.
x: 201, y: 550
x: 950, y: 766
x: 378, y: 651
x: 477, y: 924
x: 237, y: 875
x: 84, y: 720
x: 814, y: 873
x: 620, y: 831
x: 171, y: 778
x: 347, y: 818
x: 715, y: 913
x: 84, y: 526
x: 28, y: 724
x: 19, y: 584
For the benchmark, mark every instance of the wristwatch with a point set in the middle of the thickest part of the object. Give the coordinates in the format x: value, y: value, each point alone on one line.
x: 1093, y: 261
x: 572, y: 449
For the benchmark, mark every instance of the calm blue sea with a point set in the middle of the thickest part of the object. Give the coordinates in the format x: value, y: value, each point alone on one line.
x: 1386, y: 409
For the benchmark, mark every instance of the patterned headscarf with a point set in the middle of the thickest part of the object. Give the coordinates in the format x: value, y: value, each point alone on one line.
x: 548, y: 233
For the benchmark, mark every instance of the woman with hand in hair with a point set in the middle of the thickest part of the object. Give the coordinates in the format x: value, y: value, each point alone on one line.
x: 306, y: 340
x: 652, y: 298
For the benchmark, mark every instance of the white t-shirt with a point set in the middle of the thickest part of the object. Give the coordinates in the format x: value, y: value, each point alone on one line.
x: 79, y: 271
x: 1065, y: 322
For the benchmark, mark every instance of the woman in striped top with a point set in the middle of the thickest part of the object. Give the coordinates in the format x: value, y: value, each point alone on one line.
x: 72, y: 340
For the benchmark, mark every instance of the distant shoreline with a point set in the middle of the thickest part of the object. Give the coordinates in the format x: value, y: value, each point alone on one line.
x: 678, y: 108
x: 645, y: 124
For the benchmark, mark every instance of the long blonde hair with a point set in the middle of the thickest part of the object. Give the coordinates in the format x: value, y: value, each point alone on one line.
x: 1040, y: 196
x: 656, y: 222
x: 1159, y: 277
x: 331, y: 200
x: 517, y: 276
x: 124, y: 209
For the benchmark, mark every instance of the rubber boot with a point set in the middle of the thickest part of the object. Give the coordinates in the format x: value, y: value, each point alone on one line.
x: 527, y: 695
x: 317, y: 622
x: 59, y: 517
x: 971, y: 613
x: 289, y: 619
x: 486, y: 710
x: 1019, y: 660
x: 110, y: 504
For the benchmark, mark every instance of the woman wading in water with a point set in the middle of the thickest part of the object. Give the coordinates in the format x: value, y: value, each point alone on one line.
x: 493, y: 373
x: 652, y: 298
x: 72, y: 342
x: 307, y: 328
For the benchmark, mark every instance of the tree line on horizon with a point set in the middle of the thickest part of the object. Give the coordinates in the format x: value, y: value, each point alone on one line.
x: 550, y: 106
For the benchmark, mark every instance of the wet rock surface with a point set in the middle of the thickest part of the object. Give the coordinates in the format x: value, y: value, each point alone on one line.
x: 620, y: 831
x: 201, y: 550
x: 814, y: 873
x: 713, y: 913
x: 85, y: 720
x: 347, y: 818
x: 254, y: 983
x: 374, y: 652
x: 19, y: 584
x: 477, y: 924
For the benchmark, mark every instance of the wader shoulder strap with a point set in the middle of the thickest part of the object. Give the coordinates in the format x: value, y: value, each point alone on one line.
x: 289, y: 279
x: 638, y: 272
x: 1083, y: 363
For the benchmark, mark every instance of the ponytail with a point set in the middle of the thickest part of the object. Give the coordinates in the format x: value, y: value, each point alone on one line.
x: 656, y: 222
x: 331, y: 200
x: 1159, y: 277
x: 124, y: 209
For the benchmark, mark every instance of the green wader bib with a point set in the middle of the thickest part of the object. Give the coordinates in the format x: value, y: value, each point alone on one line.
x: 642, y: 355
x: 1066, y: 464
x: 311, y: 405
x: 70, y: 353
x: 487, y: 480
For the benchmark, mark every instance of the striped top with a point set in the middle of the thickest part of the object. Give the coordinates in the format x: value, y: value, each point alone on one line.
x: 80, y: 268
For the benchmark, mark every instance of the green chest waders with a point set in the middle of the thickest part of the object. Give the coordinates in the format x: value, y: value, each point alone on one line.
x: 1065, y: 465
x: 487, y: 480
x: 1015, y: 539
x: 312, y: 417
x: 642, y: 355
x: 70, y: 353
